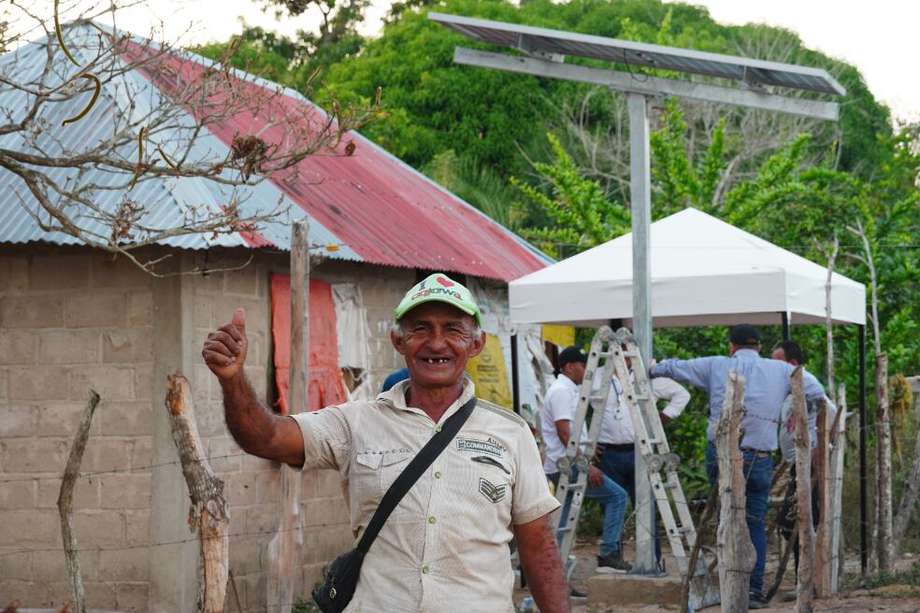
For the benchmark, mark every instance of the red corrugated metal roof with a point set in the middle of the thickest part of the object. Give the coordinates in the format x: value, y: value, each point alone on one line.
x: 384, y: 210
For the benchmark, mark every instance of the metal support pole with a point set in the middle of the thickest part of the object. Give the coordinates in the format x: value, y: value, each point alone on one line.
x: 640, y: 195
x: 863, y: 484
x: 515, y: 380
x: 786, y: 335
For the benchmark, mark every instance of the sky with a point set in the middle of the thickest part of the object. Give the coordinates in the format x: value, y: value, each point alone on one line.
x: 879, y: 37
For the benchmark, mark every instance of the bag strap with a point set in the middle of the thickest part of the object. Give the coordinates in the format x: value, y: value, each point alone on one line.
x: 422, y: 460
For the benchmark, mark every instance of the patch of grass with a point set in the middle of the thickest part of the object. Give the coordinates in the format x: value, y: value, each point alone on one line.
x: 305, y: 606
x: 909, y: 577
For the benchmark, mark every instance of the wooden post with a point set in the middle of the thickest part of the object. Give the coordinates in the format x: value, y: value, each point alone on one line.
x: 823, y: 555
x: 208, y: 514
x: 806, y: 583
x: 286, y: 546
x: 883, y: 438
x: 733, y: 543
x: 65, y: 502
x: 838, y: 440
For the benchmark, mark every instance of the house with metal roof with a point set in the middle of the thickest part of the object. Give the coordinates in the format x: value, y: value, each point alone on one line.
x: 75, y: 317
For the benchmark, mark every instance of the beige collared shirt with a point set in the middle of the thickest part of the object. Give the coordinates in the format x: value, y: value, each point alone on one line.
x: 445, y: 547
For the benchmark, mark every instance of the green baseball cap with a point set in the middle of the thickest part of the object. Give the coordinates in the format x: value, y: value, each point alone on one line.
x: 441, y: 288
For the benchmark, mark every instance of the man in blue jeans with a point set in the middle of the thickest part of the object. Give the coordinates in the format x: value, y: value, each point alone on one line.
x: 767, y: 383
x: 555, y: 427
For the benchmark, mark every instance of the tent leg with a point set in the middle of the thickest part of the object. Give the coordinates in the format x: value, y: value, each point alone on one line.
x: 863, y: 481
x: 786, y: 335
x: 515, y: 378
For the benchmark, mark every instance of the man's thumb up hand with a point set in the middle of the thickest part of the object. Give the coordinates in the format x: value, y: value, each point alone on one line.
x: 225, y: 349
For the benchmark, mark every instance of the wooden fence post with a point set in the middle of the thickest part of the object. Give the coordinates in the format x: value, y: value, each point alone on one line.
x: 733, y: 543
x: 806, y: 584
x: 65, y: 502
x: 286, y: 546
x: 838, y: 440
x: 823, y: 553
x: 208, y: 514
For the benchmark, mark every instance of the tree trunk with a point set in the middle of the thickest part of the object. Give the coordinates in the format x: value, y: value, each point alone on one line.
x: 828, y: 320
x: 821, y: 463
x: 883, y: 434
x: 65, y: 502
x: 735, y: 550
x: 911, y: 492
x: 208, y: 514
x: 805, y: 586
x: 838, y: 440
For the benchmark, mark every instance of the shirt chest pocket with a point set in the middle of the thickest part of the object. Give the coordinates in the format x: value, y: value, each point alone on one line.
x: 373, y: 474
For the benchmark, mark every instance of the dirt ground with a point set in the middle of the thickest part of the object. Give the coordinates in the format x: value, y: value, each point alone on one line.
x: 888, y: 599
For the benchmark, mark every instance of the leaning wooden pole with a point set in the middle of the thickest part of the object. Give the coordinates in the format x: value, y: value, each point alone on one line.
x: 806, y: 574
x: 208, y: 514
x: 65, y: 502
x: 838, y: 440
x: 288, y: 542
x: 735, y: 550
x: 884, y: 544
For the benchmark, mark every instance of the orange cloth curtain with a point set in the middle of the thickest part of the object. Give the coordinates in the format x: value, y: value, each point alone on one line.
x: 325, y: 380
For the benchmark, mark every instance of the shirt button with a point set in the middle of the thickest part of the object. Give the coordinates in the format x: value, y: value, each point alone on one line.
x: 432, y: 520
x: 437, y: 474
x: 425, y: 570
x: 437, y: 428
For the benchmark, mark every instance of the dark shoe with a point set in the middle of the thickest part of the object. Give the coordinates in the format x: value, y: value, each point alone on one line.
x: 790, y: 596
x: 576, y: 593
x: 612, y: 563
x: 757, y: 602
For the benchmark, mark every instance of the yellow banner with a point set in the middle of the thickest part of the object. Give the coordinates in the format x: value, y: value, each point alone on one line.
x: 488, y: 372
x: 561, y: 336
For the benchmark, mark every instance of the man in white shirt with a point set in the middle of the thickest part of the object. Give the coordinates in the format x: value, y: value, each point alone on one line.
x: 616, y: 448
x: 556, y: 425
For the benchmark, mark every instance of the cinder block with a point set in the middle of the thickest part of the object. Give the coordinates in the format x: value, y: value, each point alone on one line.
x: 123, y: 565
x: 17, y: 492
x: 50, y: 567
x: 142, y: 452
x: 29, y: 455
x: 244, y: 556
x: 59, y: 272
x: 243, y: 282
x: 17, y: 346
x: 104, y: 529
x: 137, y: 524
x: 139, y: 307
x: 14, y: 274
x: 78, y: 346
x: 256, y: 591
x: 118, y: 272
x: 96, y: 309
x: 17, y: 589
x: 124, y: 491
x: 252, y: 463
x: 224, y: 455
x: 240, y: 489
x: 143, y: 383
x: 128, y: 345
x: 62, y: 418
x: 4, y: 385
x: 106, y: 454
x: 110, y: 382
x: 33, y: 311
x: 632, y: 590
x: 268, y: 484
x: 85, y: 493
x: 16, y: 565
x: 100, y: 594
x: 125, y: 418
x: 39, y: 383
x: 29, y: 528
x: 132, y: 596
x: 18, y: 420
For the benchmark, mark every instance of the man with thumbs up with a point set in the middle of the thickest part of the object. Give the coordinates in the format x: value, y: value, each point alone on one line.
x: 445, y: 546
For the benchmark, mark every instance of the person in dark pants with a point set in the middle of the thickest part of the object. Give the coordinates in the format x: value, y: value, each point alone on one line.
x: 767, y: 384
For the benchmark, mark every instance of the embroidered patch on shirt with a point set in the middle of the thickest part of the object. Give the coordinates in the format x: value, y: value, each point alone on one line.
x: 492, y: 492
x: 489, y: 446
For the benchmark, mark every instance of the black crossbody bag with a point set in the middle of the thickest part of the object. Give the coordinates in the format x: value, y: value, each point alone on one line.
x: 341, y: 578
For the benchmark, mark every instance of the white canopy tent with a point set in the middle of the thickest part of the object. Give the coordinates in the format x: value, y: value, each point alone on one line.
x: 704, y: 272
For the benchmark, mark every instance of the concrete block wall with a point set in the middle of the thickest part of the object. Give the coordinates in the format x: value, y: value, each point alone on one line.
x: 72, y: 319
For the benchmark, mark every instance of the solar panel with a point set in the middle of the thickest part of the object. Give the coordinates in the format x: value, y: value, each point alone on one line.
x: 544, y: 41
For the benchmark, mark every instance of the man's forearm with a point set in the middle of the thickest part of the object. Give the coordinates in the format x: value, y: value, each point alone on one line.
x: 251, y: 424
x: 542, y: 566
